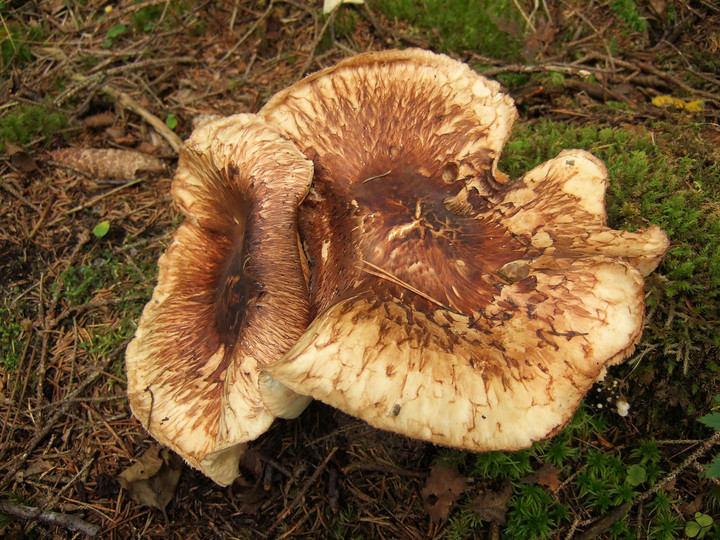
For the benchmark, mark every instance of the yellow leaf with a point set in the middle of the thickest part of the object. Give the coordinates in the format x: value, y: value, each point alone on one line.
x: 667, y: 101
x: 696, y: 105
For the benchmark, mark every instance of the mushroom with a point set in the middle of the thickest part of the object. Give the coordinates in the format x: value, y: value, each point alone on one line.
x: 448, y: 303
x: 231, y: 297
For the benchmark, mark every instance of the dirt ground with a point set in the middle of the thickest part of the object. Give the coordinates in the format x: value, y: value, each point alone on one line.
x: 133, y: 76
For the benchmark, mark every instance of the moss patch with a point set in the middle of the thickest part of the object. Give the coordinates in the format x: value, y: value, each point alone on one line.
x: 483, y: 26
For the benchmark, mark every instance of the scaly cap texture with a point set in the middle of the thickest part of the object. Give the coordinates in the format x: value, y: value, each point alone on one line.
x: 450, y: 304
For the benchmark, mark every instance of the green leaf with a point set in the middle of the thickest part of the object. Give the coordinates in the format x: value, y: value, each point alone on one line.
x: 115, y: 31
x: 692, y: 529
x: 711, y: 420
x: 171, y: 121
x: 101, y: 229
x: 636, y: 475
x: 713, y: 470
x: 703, y: 520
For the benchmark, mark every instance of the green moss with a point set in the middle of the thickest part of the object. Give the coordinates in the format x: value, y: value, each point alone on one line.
x: 14, y: 43
x: 345, y: 22
x: 502, y: 465
x: 463, y: 25
x: 463, y: 524
x: 24, y: 123
x: 80, y: 283
x: 12, y: 337
x: 627, y: 12
x: 533, y: 513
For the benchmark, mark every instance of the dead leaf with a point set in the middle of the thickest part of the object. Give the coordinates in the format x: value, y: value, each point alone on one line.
x: 540, y: 39
x: 34, y: 469
x: 105, y: 119
x: 689, y: 508
x: 108, y: 163
x: 152, y: 479
x: 492, y: 505
x: 659, y: 7
x: 115, y: 132
x: 442, y: 488
x: 146, y: 147
x: 19, y: 158
x: 547, y: 475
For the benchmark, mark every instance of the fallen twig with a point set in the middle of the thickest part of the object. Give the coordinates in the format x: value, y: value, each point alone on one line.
x: 130, y: 104
x: 51, y: 422
x: 289, y: 508
x: 248, y: 33
x: 618, y: 512
x: 689, y: 461
x: 94, y: 200
x: 315, y: 44
x: 67, y: 521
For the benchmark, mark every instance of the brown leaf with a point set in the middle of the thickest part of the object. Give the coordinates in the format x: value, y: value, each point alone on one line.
x: 115, y: 132
x: 492, y: 505
x: 19, y: 158
x: 442, y: 488
x: 100, y: 120
x: 34, y: 469
x: 108, y: 163
x: 152, y: 479
x: 689, y: 508
x: 540, y: 39
x: 547, y: 475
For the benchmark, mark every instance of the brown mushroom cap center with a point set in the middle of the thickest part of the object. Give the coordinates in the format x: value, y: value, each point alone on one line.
x: 392, y: 227
x: 235, y: 288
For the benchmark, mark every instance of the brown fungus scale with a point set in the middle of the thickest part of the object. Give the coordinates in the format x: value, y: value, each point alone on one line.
x: 450, y: 304
x: 231, y: 296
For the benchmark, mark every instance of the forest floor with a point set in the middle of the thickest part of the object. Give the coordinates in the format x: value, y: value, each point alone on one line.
x: 635, y: 82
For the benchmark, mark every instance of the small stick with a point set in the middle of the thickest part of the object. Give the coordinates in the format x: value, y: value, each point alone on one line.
x: 275, y: 464
x: 316, y: 42
x: 68, y: 521
x: 606, y: 522
x: 132, y: 105
x: 692, y: 458
x: 382, y: 273
x: 94, y: 200
x: 303, y: 491
x: 376, y: 176
x: 267, y: 476
x: 375, y: 467
x: 248, y: 33
x: 43, y: 216
x: 333, y: 492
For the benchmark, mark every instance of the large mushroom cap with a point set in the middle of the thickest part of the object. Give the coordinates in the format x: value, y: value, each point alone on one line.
x: 449, y: 304
x: 231, y: 296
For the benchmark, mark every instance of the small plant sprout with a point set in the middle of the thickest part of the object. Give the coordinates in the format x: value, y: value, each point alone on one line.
x: 101, y: 229
x: 698, y: 527
x: 171, y: 121
x: 116, y: 31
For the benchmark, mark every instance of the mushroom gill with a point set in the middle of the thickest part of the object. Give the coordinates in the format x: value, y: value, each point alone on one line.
x: 231, y: 296
x: 448, y: 303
